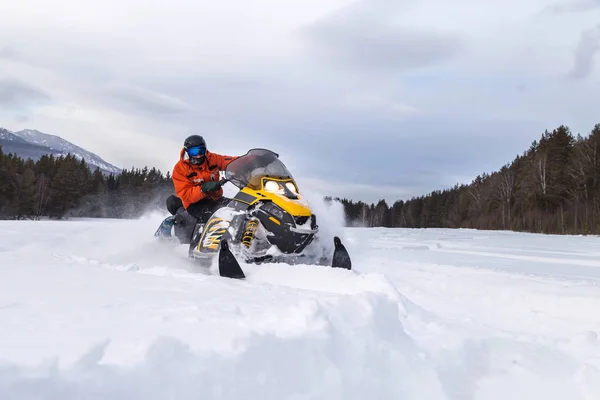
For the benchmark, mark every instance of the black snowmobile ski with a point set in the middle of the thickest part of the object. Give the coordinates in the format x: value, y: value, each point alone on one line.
x: 228, y: 265
x: 341, y: 258
x: 230, y: 268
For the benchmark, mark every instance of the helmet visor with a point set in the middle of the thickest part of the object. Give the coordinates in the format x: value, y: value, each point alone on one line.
x: 196, y: 151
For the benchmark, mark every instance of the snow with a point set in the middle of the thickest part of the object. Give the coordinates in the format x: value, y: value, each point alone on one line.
x: 5, y: 134
x: 98, y: 309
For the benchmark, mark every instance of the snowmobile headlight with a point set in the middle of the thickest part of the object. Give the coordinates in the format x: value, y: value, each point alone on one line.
x: 291, y: 187
x: 271, y: 186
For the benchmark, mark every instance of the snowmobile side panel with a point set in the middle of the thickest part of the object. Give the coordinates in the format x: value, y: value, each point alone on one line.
x: 282, y: 229
x: 238, y: 205
x: 245, y: 197
x: 215, y: 230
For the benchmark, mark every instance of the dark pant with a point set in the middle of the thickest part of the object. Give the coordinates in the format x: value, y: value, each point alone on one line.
x: 186, y: 219
x: 201, y: 210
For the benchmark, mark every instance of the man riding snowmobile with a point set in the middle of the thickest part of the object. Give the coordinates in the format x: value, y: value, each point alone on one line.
x: 197, y: 190
x: 268, y: 220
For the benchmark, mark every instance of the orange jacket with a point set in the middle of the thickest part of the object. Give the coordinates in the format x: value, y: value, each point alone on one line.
x: 187, y: 177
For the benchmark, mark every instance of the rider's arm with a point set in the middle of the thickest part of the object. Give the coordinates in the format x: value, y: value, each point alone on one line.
x: 223, y: 161
x: 185, y: 189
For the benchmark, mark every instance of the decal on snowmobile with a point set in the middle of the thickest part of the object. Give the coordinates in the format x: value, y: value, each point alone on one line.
x: 213, y: 233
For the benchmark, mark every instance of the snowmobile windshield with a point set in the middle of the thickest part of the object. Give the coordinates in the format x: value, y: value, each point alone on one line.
x: 249, y: 169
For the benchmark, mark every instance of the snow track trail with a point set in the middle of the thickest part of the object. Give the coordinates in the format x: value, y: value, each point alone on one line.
x: 99, y: 309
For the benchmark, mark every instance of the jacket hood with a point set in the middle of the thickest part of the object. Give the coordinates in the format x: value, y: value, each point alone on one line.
x: 183, y: 155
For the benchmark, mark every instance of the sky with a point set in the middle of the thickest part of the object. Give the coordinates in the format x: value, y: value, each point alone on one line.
x: 367, y: 100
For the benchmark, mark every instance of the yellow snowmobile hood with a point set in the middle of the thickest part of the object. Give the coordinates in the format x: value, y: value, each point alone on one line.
x: 295, y: 207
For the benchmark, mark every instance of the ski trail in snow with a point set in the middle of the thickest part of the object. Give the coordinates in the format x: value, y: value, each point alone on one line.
x: 587, y: 263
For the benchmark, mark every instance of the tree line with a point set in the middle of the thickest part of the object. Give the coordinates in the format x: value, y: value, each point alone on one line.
x: 66, y: 186
x: 552, y: 187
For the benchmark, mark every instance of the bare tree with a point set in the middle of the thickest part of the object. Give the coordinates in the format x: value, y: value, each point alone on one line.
x: 41, y: 195
x: 503, y: 187
x: 541, y: 171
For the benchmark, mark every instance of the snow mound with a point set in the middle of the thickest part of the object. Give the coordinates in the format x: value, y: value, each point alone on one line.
x: 98, y: 309
x: 356, y: 349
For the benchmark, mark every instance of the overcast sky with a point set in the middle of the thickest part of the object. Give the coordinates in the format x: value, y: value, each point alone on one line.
x: 364, y: 99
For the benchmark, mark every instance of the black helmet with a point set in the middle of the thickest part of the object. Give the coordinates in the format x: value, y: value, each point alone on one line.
x: 195, y: 141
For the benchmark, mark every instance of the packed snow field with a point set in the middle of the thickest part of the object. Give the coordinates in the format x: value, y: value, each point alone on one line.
x: 97, y: 309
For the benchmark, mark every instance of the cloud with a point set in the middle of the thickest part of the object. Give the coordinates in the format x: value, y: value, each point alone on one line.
x: 364, y: 96
x: 415, y: 155
x: 8, y: 53
x: 16, y: 93
x: 147, y: 101
x: 587, y: 49
x: 573, y: 6
x: 367, y: 36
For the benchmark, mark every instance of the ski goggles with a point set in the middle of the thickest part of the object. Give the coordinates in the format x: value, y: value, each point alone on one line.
x: 196, y: 151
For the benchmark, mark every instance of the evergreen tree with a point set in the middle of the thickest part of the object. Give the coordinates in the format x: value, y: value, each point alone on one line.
x: 59, y: 187
x: 553, y: 187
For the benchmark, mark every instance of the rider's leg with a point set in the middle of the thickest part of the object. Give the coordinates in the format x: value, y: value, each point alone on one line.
x: 173, y: 204
x: 202, y: 209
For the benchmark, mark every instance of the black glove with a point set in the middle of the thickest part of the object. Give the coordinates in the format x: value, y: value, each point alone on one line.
x: 210, y: 186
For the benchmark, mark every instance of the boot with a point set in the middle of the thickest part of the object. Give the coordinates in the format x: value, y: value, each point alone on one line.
x: 164, y: 230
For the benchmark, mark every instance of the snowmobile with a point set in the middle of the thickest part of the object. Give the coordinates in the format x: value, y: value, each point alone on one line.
x: 268, y: 220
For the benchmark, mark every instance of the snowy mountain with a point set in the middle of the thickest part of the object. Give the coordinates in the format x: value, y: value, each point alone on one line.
x: 7, y: 135
x: 100, y: 310
x: 11, y: 143
x: 33, y: 144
